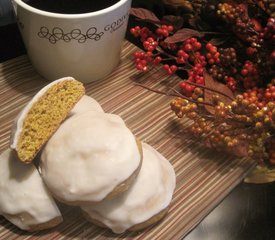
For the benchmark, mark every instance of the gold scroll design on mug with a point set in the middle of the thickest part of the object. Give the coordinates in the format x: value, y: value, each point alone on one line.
x: 57, y: 34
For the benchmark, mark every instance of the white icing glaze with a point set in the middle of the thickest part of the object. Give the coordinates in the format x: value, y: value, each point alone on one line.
x: 23, y: 191
x: 88, y: 156
x: 17, y: 126
x: 86, y: 104
x: 151, y: 193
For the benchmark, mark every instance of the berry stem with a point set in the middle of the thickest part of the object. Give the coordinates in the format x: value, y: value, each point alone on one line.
x: 210, y: 89
x: 175, y: 94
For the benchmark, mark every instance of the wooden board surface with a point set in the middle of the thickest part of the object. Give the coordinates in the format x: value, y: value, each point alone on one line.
x: 204, y: 177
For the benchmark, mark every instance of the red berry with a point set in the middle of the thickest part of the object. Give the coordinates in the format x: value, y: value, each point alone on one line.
x: 165, y: 33
x: 173, y: 68
x: 180, y: 60
x: 208, y: 55
x: 170, y: 28
x: 197, y: 46
x: 157, y: 60
x: 164, y: 30
x: 166, y: 66
x: 212, y: 61
x: 135, y: 31
x: 200, y: 81
x: 250, y: 51
x: 188, y: 47
x: 208, y: 46
x: 213, y: 50
x: 244, y: 72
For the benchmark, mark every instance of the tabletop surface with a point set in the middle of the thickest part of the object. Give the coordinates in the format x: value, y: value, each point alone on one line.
x: 248, y: 212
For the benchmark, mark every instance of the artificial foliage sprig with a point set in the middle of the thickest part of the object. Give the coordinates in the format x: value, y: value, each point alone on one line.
x: 227, y: 70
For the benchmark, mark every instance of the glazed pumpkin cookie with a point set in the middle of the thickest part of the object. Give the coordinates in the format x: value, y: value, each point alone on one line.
x: 24, y: 199
x: 92, y: 156
x: 42, y: 116
x: 85, y: 104
x: 144, y: 203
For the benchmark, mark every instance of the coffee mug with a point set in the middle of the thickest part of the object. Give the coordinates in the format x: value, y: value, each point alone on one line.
x: 85, y: 46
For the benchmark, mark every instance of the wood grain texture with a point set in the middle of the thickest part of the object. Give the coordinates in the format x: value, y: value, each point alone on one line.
x: 204, y: 177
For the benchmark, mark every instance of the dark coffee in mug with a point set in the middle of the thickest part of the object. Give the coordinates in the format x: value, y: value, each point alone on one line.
x: 70, y: 6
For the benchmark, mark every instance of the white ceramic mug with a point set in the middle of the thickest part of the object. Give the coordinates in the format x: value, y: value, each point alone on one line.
x: 85, y: 46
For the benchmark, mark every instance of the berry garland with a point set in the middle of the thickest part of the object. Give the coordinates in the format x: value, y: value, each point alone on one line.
x: 228, y: 86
